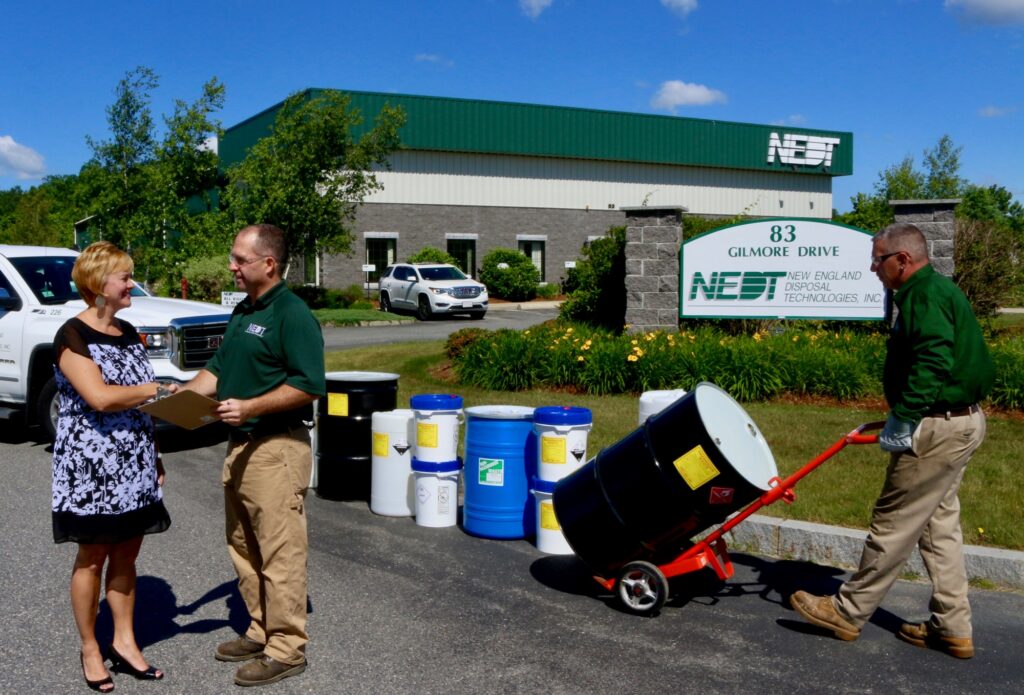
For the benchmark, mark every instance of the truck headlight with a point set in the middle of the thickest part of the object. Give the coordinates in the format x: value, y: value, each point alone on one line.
x: 441, y: 290
x: 156, y: 340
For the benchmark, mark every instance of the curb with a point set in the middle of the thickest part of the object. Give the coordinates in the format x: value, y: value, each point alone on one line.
x: 841, y: 547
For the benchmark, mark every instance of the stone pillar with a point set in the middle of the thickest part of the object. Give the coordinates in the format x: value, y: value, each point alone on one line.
x: 935, y: 219
x: 653, y: 235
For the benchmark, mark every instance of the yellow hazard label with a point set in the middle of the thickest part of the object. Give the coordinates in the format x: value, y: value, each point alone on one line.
x: 337, y: 404
x: 426, y: 435
x: 696, y: 467
x: 547, y: 517
x: 380, y: 444
x: 552, y: 449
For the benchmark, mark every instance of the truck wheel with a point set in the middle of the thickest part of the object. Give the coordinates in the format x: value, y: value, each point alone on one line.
x: 46, y: 409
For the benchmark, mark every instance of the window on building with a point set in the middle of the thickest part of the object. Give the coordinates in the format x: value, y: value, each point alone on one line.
x: 381, y: 253
x: 464, y: 253
x: 534, y: 250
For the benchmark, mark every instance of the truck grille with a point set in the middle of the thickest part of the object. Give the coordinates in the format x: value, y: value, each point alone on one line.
x: 468, y: 292
x: 195, y: 339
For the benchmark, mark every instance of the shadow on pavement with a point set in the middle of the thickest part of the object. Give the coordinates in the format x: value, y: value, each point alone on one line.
x: 157, y: 612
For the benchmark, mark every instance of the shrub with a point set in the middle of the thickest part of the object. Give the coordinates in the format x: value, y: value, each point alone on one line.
x: 548, y: 291
x: 461, y: 339
x: 432, y: 254
x: 987, y: 258
x: 314, y: 296
x: 1008, y: 389
x: 517, y: 282
x: 502, y: 361
x: 207, y: 278
x: 595, y: 289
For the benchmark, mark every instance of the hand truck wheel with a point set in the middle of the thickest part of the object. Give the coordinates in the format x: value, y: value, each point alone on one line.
x: 642, y: 588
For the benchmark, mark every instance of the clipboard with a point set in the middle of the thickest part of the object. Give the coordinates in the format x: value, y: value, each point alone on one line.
x: 187, y: 409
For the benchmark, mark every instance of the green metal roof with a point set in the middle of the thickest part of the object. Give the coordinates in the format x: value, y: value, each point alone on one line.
x: 491, y: 127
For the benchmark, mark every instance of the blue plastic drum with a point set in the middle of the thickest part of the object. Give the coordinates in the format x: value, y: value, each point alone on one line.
x: 499, y: 461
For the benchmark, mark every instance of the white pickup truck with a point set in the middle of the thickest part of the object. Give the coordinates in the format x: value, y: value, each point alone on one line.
x: 37, y: 296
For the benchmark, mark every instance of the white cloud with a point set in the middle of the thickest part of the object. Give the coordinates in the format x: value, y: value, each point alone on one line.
x: 435, y: 59
x: 680, y: 7
x: 795, y: 119
x: 20, y: 161
x: 533, y: 8
x: 675, y: 93
x: 996, y: 12
x: 996, y: 111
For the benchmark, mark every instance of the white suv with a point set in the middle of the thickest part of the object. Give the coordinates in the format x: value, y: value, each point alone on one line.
x: 431, y: 288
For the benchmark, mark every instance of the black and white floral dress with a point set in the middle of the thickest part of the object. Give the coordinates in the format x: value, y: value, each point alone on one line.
x: 104, y: 464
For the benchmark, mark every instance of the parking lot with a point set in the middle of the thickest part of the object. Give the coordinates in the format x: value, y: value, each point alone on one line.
x: 395, y: 607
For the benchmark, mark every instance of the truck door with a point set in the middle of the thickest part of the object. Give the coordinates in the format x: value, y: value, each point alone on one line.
x: 12, y: 318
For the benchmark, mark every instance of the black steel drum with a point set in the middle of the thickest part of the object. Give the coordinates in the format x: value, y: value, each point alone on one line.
x: 684, y: 470
x: 344, y: 439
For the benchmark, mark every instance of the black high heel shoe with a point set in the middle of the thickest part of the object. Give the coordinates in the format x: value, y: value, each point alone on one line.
x: 121, y: 664
x: 96, y: 685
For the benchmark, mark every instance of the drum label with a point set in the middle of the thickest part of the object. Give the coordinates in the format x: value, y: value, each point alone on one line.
x: 380, y: 444
x: 552, y: 449
x: 721, y: 495
x: 337, y: 404
x: 492, y: 472
x: 547, y: 517
x: 426, y: 435
x: 696, y: 467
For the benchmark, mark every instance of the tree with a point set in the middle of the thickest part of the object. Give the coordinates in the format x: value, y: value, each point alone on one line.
x: 993, y: 204
x: 32, y: 222
x: 596, y: 286
x: 943, y: 164
x: 309, y: 175
x: 141, y: 185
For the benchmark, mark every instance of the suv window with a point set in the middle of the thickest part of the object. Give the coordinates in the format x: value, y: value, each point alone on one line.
x: 442, y: 273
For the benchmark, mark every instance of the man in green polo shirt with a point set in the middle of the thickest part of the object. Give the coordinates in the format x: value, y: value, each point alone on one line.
x: 937, y: 369
x: 266, y: 375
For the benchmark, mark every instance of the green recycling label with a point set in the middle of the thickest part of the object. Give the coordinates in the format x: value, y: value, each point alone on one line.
x: 492, y: 472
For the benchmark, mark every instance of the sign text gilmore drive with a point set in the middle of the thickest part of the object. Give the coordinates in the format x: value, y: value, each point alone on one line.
x: 780, y: 268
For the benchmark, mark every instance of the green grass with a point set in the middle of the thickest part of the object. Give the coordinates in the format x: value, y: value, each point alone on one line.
x: 841, y: 491
x: 355, y: 317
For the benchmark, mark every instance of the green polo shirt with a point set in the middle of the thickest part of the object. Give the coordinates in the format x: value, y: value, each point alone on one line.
x: 272, y: 341
x: 936, y: 358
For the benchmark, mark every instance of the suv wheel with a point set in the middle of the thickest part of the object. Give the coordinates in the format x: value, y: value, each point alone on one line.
x: 385, y: 302
x: 423, y: 312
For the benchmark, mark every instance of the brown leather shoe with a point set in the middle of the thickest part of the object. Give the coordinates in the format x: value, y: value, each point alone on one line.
x: 820, y: 611
x: 239, y: 649
x: 265, y: 671
x: 920, y: 635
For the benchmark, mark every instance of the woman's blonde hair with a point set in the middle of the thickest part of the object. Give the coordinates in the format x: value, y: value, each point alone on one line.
x: 94, y: 265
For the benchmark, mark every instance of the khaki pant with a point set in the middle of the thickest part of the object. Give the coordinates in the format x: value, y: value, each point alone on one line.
x: 264, y: 493
x: 919, y: 506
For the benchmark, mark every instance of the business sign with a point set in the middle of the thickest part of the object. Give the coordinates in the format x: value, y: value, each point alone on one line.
x: 231, y: 298
x: 780, y: 268
x: 801, y: 150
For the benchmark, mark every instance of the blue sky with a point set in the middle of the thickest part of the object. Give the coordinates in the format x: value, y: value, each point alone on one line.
x: 897, y: 73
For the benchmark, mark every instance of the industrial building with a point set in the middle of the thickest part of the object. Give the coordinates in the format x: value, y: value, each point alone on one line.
x: 474, y: 176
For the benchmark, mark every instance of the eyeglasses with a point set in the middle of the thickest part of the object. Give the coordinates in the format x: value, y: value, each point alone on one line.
x: 238, y: 261
x: 879, y: 260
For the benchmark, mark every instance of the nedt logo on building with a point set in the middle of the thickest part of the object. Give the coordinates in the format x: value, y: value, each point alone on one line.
x: 801, y: 150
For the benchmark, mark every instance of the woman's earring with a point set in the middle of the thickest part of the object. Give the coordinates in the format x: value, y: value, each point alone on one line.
x: 101, y: 301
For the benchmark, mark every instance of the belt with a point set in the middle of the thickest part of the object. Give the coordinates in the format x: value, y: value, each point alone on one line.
x: 237, y: 435
x: 956, y: 412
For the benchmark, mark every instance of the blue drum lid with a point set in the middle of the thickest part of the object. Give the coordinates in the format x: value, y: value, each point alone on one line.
x: 563, y: 415
x: 436, y: 467
x: 435, y: 401
x: 541, y: 485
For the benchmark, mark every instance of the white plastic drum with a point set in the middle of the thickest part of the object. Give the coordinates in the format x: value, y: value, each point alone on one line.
x: 550, y: 539
x: 561, y: 440
x: 437, y: 493
x: 392, y: 484
x: 652, y: 402
x: 438, y: 417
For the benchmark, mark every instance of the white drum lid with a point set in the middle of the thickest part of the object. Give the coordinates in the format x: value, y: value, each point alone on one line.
x: 738, y: 438
x: 397, y: 416
x: 501, y: 412
x: 360, y: 376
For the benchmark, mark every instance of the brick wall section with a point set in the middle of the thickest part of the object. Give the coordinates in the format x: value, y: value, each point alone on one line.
x: 936, y: 220
x: 653, y: 235
x: 496, y: 227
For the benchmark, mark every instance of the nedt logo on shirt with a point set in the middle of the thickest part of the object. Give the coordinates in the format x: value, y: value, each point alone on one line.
x: 256, y: 329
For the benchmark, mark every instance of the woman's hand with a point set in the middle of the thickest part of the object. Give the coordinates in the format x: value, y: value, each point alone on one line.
x: 160, y: 473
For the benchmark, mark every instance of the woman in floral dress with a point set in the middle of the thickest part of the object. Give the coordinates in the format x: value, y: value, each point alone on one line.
x: 107, y: 475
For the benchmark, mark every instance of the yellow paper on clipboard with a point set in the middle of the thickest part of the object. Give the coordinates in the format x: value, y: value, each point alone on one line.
x: 186, y: 409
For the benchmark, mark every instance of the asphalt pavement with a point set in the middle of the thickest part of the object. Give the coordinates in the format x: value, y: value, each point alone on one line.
x: 399, y: 608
